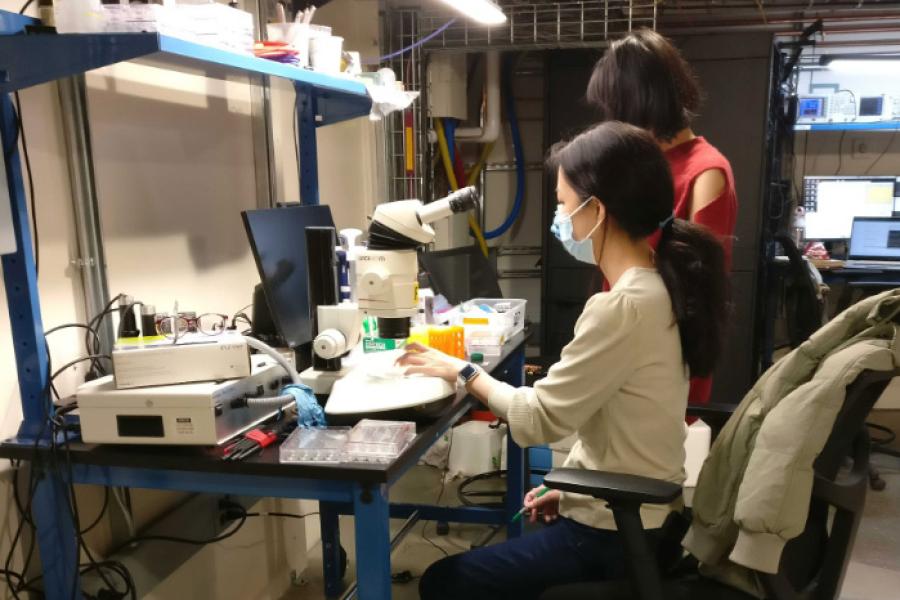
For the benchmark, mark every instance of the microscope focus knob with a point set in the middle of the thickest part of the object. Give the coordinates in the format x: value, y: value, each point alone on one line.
x: 330, y: 343
x: 373, y: 281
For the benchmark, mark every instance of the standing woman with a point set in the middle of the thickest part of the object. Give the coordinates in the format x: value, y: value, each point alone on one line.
x: 621, y: 385
x: 643, y: 80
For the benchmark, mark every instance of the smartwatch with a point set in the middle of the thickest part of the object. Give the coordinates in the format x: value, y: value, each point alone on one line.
x: 468, y: 373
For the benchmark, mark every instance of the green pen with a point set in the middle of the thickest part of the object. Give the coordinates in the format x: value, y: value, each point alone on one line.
x: 519, y: 514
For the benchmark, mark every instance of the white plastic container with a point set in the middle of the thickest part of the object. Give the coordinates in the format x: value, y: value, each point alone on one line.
x: 505, y: 316
x: 696, y: 449
x: 475, y: 448
x: 325, y: 53
x: 79, y: 16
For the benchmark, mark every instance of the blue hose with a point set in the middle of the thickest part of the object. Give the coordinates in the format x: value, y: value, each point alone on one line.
x: 450, y: 132
x: 517, y: 149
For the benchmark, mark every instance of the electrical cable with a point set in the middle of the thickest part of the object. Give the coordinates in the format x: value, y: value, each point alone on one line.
x: 413, y: 46
x: 95, y: 323
x: 883, y: 152
x: 840, y: 152
x: 73, y: 510
x: 25, y: 7
x: 281, y: 514
x: 177, y: 540
x: 90, y: 330
x: 126, y: 512
x: 103, y: 508
x: 518, y: 151
x: 889, y: 437
x: 448, y: 167
x: 464, y: 495
x: 30, y: 176
x: 437, y: 502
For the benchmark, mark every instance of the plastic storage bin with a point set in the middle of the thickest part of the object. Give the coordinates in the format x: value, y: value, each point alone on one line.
x: 504, y: 315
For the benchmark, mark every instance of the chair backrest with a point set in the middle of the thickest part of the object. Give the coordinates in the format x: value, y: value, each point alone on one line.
x: 804, y: 309
x: 813, y: 565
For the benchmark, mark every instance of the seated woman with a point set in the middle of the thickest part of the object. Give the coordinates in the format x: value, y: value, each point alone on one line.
x: 621, y: 385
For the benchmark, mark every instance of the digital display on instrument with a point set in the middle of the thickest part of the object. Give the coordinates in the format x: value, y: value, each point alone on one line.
x: 811, y: 107
x: 871, y: 106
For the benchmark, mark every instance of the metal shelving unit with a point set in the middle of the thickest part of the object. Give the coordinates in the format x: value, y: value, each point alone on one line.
x: 880, y: 126
x: 532, y: 25
x: 28, y: 59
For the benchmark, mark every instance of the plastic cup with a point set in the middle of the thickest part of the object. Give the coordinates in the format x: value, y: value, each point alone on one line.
x: 325, y: 53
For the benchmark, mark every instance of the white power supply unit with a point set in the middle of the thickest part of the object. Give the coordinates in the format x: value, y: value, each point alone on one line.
x: 195, y: 357
x: 203, y: 414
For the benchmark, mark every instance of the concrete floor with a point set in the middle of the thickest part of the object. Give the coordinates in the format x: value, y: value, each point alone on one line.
x: 874, y: 572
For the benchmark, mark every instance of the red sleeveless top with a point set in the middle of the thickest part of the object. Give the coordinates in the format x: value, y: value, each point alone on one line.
x: 687, y: 161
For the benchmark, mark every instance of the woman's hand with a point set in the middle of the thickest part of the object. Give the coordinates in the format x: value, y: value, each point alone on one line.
x: 548, y: 504
x: 422, y: 360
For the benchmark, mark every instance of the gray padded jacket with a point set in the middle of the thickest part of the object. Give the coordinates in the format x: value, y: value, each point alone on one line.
x: 754, y: 489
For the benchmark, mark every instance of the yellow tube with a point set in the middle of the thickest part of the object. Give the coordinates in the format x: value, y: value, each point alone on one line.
x: 476, y: 170
x: 451, y: 176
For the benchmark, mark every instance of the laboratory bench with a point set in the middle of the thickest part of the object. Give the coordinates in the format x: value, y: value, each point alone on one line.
x: 361, y: 490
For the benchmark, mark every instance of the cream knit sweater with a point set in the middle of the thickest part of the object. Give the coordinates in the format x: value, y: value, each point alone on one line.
x: 621, y: 386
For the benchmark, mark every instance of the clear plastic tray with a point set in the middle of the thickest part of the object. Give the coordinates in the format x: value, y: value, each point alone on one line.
x: 318, y: 445
x: 372, y: 441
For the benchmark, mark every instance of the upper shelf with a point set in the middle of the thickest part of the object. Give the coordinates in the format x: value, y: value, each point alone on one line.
x: 27, y: 60
x: 879, y: 126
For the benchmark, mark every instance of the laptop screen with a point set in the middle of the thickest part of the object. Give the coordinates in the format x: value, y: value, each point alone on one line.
x: 875, y: 238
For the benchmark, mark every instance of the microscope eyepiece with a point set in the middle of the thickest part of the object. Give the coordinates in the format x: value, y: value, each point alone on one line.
x: 463, y: 200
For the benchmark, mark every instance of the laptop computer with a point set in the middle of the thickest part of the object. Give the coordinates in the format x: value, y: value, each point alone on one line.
x: 874, y: 244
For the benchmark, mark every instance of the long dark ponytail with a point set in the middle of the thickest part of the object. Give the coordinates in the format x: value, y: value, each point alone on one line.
x: 623, y: 167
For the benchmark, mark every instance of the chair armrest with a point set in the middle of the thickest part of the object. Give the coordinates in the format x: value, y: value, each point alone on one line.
x: 715, y: 415
x: 716, y: 411
x: 613, y: 487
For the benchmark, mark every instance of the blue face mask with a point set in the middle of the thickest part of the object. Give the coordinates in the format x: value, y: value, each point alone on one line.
x: 582, y: 250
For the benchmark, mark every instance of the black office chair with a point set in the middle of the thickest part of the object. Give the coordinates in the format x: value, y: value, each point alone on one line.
x: 812, y: 565
x: 805, y: 310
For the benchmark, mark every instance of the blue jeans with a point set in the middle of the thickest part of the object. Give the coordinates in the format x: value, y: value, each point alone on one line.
x: 522, y: 568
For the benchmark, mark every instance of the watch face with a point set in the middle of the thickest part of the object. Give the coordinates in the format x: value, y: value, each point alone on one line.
x: 467, y: 372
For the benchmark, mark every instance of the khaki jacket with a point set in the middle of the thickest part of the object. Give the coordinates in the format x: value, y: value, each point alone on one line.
x: 754, y: 489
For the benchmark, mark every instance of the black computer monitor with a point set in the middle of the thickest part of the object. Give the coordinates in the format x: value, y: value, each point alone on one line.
x: 278, y: 239
x: 460, y: 274
x: 832, y: 202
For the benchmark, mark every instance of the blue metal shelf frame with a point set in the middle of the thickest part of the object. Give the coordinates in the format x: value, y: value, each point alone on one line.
x: 881, y: 126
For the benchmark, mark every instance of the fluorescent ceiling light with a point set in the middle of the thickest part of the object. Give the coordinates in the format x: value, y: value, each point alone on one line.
x: 484, y: 11
x: 865, y: 65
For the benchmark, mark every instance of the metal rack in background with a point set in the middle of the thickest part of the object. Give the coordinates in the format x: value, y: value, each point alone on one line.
x: 400, y: 29
x: 532, y: 25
